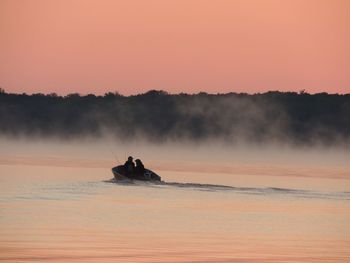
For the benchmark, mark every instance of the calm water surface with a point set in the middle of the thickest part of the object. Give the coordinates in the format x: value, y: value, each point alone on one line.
x: 68, y: 213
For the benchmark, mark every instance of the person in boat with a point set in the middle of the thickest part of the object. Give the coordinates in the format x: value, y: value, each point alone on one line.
x: 139, y: 169
x: 129, y: 167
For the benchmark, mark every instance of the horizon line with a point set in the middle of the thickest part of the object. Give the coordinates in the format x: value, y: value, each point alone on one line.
x: 117, y: 93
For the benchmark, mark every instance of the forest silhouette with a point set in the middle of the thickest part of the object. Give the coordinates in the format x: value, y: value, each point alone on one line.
x: 290, y: 117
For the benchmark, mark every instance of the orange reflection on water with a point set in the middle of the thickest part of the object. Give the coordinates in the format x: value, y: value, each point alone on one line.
x: 68, y: 213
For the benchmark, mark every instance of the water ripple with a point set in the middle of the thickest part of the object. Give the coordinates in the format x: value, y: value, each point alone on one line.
x: 266, y: 191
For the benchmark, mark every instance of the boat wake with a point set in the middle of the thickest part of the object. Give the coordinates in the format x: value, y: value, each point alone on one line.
x: 263, y: 191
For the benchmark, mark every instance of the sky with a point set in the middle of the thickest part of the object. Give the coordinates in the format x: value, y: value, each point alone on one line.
x: 132, y: 46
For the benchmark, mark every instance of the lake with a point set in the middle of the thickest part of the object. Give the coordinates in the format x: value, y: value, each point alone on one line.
x: 59, y: 204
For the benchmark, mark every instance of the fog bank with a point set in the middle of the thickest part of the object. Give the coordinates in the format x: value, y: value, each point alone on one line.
x: 298, y: 119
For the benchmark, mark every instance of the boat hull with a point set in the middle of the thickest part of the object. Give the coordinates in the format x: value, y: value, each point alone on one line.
x: 119, y: 174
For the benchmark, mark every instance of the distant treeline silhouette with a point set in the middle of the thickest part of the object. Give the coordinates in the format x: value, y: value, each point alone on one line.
x: 289, y: 117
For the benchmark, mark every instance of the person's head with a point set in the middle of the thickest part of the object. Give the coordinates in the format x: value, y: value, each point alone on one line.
x: 130, y: 158
x: 138, y: 161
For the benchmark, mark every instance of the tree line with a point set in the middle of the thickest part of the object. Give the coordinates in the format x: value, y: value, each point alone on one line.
x: 290, y: 117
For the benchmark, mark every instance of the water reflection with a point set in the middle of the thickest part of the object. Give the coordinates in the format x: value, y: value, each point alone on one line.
x: 71, y: 214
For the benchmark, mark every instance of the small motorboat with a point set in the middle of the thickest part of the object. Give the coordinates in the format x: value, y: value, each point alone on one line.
x: 119, y: 174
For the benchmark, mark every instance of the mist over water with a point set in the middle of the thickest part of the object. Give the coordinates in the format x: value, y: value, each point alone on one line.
x: 258, y: 177
x: 216, y: 202
x: 282, y: 118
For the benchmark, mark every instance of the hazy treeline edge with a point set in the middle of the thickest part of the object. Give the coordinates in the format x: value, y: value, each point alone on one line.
x: 297, y: 118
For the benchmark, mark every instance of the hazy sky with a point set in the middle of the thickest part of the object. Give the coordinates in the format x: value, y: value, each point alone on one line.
x: 180, y: 46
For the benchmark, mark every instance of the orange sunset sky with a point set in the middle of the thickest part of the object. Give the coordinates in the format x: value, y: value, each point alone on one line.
x: 131, y: 46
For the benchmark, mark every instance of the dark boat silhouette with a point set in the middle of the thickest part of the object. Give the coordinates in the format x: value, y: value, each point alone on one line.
x: 148, y: 175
